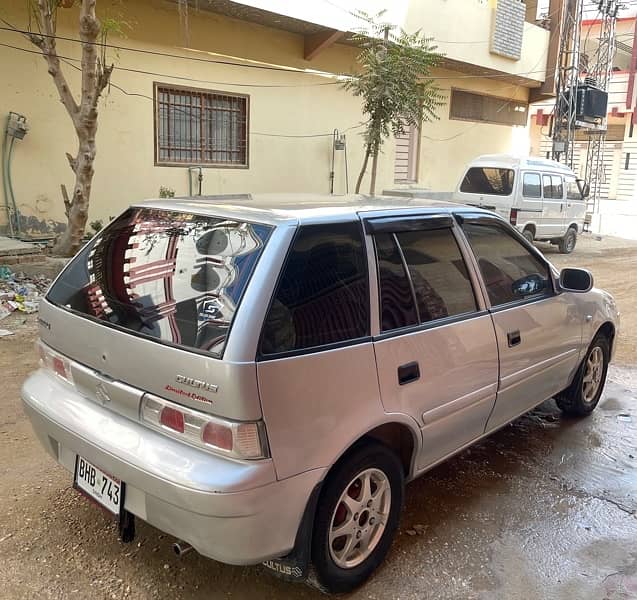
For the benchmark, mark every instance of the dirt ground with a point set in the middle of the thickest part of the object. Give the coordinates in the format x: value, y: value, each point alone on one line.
x: 543, y: 509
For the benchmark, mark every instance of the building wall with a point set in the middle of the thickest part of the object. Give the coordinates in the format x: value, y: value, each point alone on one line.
x: 448, y: 145
x: 279, y: 159
x: 124, y: 167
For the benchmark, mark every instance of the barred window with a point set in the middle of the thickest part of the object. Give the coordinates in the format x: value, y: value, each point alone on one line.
x: 468, y: 106
x: 195, y: 126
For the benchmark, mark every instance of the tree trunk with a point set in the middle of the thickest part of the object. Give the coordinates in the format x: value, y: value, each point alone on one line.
x: 359, y: 181
x: 77, y: 213
x: 372, y: 183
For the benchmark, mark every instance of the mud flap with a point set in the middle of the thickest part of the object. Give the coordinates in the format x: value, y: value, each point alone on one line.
x: 296, y: 566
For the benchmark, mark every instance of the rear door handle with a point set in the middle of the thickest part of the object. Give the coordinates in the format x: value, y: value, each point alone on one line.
x: 514, y: 338
x: 408, y: 372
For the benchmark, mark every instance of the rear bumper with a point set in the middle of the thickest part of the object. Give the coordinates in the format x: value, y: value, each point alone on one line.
x: 232, y: 511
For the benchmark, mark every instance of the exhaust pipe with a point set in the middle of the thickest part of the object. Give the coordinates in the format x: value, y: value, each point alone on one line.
x: 180, y: 548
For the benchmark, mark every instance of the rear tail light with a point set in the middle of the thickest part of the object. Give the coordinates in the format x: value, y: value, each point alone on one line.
x: 237, y: 440
x: 55, y: 362
x: 513, y: 217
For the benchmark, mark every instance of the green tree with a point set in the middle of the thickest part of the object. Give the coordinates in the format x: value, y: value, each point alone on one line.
x: 394, y: 84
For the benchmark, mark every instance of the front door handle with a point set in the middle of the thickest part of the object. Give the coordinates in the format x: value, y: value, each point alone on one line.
x: 408, y: 373
x: 514, y: 338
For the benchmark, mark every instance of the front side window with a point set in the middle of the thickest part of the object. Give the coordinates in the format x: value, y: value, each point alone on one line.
x: 173, y: 277
x: 572, y: 189
x: 200, y: 127
x: 422, y: 278
x: 510, y: 272
x: 531, y: 185
x: 322, y: 296
x: 488, y: 180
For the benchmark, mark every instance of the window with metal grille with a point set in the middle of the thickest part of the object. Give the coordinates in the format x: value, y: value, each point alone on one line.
x: 195, y: 126
x: 467, y: 106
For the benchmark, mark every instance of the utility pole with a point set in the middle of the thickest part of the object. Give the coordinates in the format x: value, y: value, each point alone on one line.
x: 582, y: 105
x: 567, y: 80
x: 599, y: 72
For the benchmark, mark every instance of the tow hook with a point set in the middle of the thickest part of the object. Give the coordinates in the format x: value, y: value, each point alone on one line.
x: 180, y: 548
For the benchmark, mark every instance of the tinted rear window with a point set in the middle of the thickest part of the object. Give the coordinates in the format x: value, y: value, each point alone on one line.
x: 322, y: 296
x: 175, y: 277
x: 488, y: 180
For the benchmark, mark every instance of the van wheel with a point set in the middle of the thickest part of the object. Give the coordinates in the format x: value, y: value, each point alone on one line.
x: 357, y: 517
x: 567, y: 243
x: 582, y: 396
x: 528, y: 235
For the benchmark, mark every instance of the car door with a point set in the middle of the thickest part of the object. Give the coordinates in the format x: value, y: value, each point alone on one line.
x: 530, y: 204
x: 575, y: 203
x: 434, y: 342
x: 539, y: 332
x: 553, y: 206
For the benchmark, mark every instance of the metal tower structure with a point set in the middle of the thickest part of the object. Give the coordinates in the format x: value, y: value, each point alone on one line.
x: 598, y: 73
x: 567, y: 79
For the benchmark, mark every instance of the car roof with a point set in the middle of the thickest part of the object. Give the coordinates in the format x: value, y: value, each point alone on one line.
x: 295, y: 208
x: 523, y: 162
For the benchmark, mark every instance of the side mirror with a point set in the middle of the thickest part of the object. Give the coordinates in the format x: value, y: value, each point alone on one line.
x: 586, y: 190
x: 576, y: 280
x: 529, y: 285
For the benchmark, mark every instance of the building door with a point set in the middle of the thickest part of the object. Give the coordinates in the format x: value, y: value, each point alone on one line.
x: 407, y: 150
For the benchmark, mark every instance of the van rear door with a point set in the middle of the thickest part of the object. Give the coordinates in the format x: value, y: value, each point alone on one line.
x: 488, y: 187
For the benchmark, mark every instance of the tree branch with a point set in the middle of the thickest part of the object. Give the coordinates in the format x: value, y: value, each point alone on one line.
x: 89, y: 32
x: 46, y: 21
x: 72, y: 162
x: 67, y: 202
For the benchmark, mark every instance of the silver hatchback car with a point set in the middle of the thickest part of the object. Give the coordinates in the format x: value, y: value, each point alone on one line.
x: 259, y: 376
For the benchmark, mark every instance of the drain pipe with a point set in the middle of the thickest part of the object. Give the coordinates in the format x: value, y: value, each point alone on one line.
x: 16, y: 128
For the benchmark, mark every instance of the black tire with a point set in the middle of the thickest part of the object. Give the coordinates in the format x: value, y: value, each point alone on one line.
x: 568, y: 242
x: 371, y: 455
x: 528, y: 235
x: 572, y: 400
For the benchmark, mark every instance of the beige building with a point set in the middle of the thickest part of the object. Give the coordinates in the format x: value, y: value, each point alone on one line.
x: 249, y: 92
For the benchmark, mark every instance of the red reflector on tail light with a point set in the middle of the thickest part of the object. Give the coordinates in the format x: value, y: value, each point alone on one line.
x: 217, y: 435
x: 58, y: 367
x: 513, y: 217
x: 171, y: 418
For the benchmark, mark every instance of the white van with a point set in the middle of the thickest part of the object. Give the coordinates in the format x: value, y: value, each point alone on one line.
x: 541, y: 197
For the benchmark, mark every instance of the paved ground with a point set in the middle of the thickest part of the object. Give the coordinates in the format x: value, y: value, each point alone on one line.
x: 543, y: 509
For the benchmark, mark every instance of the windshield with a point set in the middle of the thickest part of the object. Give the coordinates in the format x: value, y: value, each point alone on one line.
x: 172, y: 276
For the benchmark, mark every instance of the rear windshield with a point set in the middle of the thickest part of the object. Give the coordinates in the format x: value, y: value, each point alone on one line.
x: 172, y: 276
x: 488, y: 180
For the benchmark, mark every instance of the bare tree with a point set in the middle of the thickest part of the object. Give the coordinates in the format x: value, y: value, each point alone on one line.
x: 83, y: 113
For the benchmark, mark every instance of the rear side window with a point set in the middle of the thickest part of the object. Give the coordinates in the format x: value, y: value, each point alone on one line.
x: 488, y: 180
x: 558, y: 188
x: 422, y: 278
x: 174, y: 277
x: 322, y: 296
x: 531, y: 185
x: 503, y: 260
